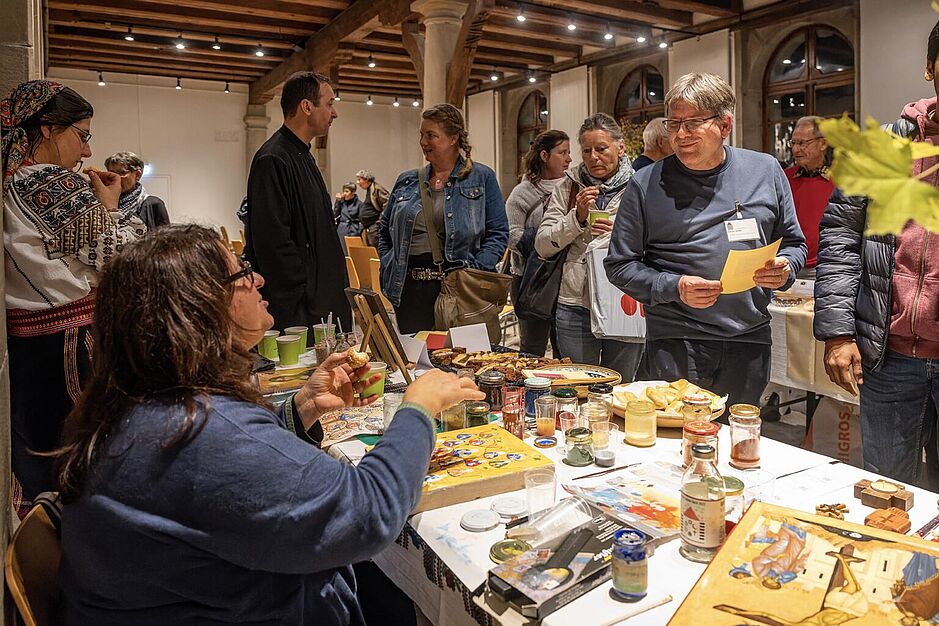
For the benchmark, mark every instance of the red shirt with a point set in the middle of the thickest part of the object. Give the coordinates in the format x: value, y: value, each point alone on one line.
x: 810, y: 194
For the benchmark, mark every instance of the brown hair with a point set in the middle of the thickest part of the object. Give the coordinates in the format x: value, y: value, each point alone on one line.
x: 450, y: 118
x: 163, y: 332
x: 544, y: 142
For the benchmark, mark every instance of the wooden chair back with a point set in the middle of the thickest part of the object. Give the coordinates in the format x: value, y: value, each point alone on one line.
x: 353, y: 275
x: 360, y: 258
x: 32, y: 568
x: 225, y: 238
x: 353, y: 242
x: 238, y: 247
x: 375, y: 267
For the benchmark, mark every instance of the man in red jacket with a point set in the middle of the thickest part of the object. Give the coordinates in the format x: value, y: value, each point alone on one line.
x: 810, y: 183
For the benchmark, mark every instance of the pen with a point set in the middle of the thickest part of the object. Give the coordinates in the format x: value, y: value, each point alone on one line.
x: 607, y: 471
x: 518, y: 521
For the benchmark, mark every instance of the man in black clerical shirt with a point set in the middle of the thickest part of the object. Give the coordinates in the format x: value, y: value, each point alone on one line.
x: 291, y: 233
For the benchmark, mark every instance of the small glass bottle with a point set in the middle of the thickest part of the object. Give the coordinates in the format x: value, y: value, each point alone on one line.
x: 567, y: 402
x: 342, y: 342
x: 601, y: 392
x: 477, y: 413
x: 578, y: 441
x: 630, y: 564
x: 698, y: 432
x: 592, y: 412
x: 745, y: 424
x: 641, y: 423
x: 695, y: 407
x: 535, y: 387
x: 490, y: 383
x: 702, y: 506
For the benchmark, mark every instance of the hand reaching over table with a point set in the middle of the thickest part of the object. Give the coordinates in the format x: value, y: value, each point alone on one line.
x: 437, y: 390
x: 333, y: 386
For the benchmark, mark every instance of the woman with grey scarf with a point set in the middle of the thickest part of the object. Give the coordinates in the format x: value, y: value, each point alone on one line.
x: 599, y: 181
x: 135, y: 201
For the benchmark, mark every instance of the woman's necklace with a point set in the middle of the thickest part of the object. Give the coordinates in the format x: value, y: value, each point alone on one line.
x: 436, y: 181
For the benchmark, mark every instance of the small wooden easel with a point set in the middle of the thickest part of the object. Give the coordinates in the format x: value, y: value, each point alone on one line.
x: 378, y: 335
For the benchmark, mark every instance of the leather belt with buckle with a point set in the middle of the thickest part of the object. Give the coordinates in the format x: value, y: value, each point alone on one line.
x: 424, y: 273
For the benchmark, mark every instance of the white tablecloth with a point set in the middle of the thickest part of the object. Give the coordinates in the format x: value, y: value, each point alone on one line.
x: 820, y: 481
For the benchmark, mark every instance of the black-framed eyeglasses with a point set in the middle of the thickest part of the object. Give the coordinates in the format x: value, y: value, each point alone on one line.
x: 83, y: 135
x: 803, y: 142
x: 691, y: 124
x: 245, y: 271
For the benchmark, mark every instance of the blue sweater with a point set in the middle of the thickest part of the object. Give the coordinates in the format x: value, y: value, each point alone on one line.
x: 671, y: 222
x: 246, y: 523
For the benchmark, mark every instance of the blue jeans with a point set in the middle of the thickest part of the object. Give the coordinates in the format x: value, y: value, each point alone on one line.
x: 898, y: 415
x: 736, y: 368
x: 576, y: 340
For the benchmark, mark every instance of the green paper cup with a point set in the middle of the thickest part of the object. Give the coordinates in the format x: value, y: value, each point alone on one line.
x: 323, y: 330
x: 288, y: 349
x: 597, y: 214
x: 378, y: 388
x: 300, y: 331
x: 268, y: 345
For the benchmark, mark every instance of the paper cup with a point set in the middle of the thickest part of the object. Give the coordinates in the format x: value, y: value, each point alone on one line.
x: 300, y: 331
x: 268, y: 344
x: 324, y: 330
x: 596, y: 214
x: 288, y: 349
x: 378, y: 388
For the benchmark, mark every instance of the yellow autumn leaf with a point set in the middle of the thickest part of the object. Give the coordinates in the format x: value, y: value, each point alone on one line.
x: 879, y: 165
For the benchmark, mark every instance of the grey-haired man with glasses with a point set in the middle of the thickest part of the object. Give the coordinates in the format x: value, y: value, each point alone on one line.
x: 679, y: 219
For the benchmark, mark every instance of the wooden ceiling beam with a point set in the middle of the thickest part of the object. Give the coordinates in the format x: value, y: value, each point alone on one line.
x: 62, y: 24
x: 382, y: 91
x: 324, y: 44
x: 529, y: 44
x: 286, y: 10
x: 118, y: 11
x: 55, y: 48
x: 502, y: 25
x: 112, y: 43
x: 589, y: 27
x: 154, y: 71
x: 413, y: 41
x: 717, y: 8
x: 92, y: 62
x: 627, y: 10
x: 384, y: 46
x: 465, y: 50
x: 340, y: 5
x: 366, y: 80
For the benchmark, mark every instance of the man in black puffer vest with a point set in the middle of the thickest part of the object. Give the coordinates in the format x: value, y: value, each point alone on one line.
x: 876, y: 309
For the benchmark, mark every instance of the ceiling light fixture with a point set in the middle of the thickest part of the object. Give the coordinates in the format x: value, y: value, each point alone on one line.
x: 416, y: 103
x: 608, y: 35
x: 396, y: 103
x: 494, y: 75
x: 179, y: 84
x: 180, y: 42
x: 570, y: 23
x: 130, y: 33
x: 101, y: 82
x: 337, y: 98
x: 259, y: 52
x: 531, y: 77
x: 227, y: 88
x: 663, y: 45
x: 640, y: 39
x: 369, y: 101
x: 371, y: 60
x: 521, y: 15
x: 216, y: 45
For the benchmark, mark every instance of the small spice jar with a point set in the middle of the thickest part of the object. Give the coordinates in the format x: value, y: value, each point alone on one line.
x: 567, y: 401
x: 698, y: 431
x: 601, y: 392
x: 695, y: 407
x: 745, y: 424
x: 593, y: 411
x: 641, y: 423
x: 733, y: 499
x: 578, y: 441
x: 490, y: 383
x: 630, y: 564
x: 535, y: 387
x: 477, y: 413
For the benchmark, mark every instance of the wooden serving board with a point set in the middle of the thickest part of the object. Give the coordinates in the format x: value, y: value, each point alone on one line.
x: 494, y: 462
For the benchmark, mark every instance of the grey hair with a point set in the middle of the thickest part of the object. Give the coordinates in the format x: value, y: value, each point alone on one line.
x: 128, y: 159
x: 600, y: 121
x: 367, y: 175
x: 350, y: 186
x: 654, y: 133
x: 810, y: 120
x: 708, y: 92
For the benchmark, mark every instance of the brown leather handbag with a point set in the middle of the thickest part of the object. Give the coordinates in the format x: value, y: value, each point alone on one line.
x: 467, y: 295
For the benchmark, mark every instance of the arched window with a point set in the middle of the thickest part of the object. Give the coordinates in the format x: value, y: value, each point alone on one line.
x: 641, y: 96
x: 532, y: 120
x: 811, y: 73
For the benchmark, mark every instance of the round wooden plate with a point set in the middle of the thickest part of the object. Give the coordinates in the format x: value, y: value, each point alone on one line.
x: 663, y: 419
x: 579, y: 376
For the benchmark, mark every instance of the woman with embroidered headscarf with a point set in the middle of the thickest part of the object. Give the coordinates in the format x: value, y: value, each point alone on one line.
x: 59, y: 230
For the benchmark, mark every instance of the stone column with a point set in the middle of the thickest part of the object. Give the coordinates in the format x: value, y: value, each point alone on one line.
x: 256, y: 121
x: 442, y: 22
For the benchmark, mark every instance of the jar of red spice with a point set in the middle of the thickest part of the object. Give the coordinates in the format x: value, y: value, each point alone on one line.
x: 697, y: 432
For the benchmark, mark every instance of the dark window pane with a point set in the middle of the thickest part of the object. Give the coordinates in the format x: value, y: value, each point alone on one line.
x: 656, y: 87
x: 542, y: 109
x: 629, y: 96
x: 787, y: 105
x: 834, y: 101
x: 789, y: 62
x: 779, y: 135
x: 833, y: 54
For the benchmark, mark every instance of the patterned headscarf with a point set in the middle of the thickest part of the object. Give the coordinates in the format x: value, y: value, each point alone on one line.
x: 23, y: 102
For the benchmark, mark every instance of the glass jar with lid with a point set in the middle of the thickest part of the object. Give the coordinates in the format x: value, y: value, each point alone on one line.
x: 641, y: 423
x: 733, y: 499
x: 577, y: 442
x: 592, y: 412
x: 491, y: 383
x: 535, y: 387
x: 567, y: 402
x: 477, y: 413
x: 694, y: 407
x: 745, y: 425
x: 601, y: 392
x: 698, y: 431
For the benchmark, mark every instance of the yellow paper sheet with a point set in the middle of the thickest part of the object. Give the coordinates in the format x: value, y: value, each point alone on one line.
x: 741, y: 264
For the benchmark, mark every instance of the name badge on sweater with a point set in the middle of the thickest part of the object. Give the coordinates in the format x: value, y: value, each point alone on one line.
x: 742, y: 230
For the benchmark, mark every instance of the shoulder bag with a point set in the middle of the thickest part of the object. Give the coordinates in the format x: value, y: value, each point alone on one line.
x: 467, y: 295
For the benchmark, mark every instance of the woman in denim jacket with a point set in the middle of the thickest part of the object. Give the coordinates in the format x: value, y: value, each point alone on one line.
x: 469, y: 216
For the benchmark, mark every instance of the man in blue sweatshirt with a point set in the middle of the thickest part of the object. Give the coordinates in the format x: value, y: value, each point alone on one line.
x: 678, y: 220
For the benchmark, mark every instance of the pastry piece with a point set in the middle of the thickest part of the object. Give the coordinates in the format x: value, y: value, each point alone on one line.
x: 356, y: 359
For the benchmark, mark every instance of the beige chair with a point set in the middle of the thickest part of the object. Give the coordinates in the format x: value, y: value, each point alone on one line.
x: 353, y: 242
x: 225, y: 238
x: 32, y: 568
x: 360, y: 258
x: 238, y: 247
x: 375, y: 267
x: 353, y: 275
x: 365, y: 237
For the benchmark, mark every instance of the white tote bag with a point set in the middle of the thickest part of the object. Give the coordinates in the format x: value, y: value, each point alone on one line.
x: 613, y: 314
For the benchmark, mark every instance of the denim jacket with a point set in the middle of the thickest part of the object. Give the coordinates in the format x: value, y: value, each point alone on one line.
x: 477, y: 230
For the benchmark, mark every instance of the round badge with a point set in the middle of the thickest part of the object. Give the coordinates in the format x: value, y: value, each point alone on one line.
x: 498, y: 464
x: 491, y: 454
x: 510, y: 506
x: 472, y: 462
x: 449, y: 444
x: 546, y: 442
x: 502, y: 551
x: 463, y: 436
x: 480, y: 520
x: 514, y: 456
x: 432, y: 478
x: 477, y: 442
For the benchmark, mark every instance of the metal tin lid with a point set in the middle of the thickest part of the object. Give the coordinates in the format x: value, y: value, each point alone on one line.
x: 492, y: 376
x: 744, y: 410
x: 696, y: 399
x: 510, y: 506
x: 733, y: 486
x: 545, y: 442
x: 579, y: 434
x: 565, y: 392
x: 502, y: 551
x: 640, y: 407
x: 702, y: 451
x: 600, y: 388
x: 477, y: 408
x: 537, y: 382
x: 480, y: 520
x: 629, y: 537
x: 702, y: 428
